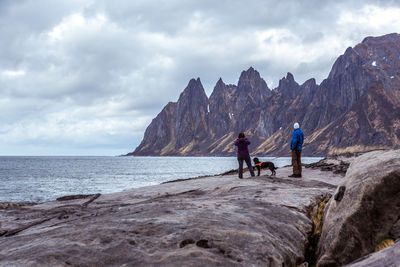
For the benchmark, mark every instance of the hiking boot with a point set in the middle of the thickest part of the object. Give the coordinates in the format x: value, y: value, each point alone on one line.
x: 295, y: 176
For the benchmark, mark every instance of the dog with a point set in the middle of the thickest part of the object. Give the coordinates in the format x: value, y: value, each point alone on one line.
x: 264, y: 165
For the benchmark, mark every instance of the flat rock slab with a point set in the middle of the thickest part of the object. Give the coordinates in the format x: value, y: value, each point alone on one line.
x: 219, y: 220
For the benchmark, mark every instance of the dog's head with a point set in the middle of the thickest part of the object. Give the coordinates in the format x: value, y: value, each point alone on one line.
x: 256, y: 160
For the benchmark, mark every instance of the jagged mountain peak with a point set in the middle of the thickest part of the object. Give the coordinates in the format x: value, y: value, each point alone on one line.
x: 218, y: 88
x: 387, y: 37
x: 190, y: 115
x: 193, y: 89
x: 290, y: 77
x: 193, y: 83
x: 287, y: 81
x: 349, y: 59
x: 348, y: 50
x: 251, y: 70
x: 309, y: 83
x: 220, y: 83
x: 288, y: 87
x: 250, y: 82
x: 345, y: 110
x: 379, y: 47
x: 249, y: 74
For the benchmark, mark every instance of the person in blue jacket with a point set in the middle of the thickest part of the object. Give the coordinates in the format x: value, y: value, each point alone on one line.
x: 296, y: 145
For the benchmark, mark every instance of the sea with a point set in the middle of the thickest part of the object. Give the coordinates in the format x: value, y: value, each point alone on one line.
x: 45, y: 178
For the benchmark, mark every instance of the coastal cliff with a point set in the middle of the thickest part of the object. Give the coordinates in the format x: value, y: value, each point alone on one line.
x: 355, y: 109
x: 219, y: 220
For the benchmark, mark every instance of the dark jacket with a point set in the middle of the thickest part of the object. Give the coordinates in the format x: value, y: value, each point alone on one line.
x: 297, y: 140
x: 242, y: 144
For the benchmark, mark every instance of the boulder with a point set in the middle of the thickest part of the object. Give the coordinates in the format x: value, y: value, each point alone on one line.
x: 365, y: 210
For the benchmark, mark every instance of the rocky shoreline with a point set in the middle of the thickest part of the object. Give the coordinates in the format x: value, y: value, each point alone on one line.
x: 220, y: 221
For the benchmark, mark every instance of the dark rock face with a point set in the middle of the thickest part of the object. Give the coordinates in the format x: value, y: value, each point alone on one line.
x: 159, y: 134
x: 371, y: 123
x: 251, y: 98
x: 190, y: 117
x: 222, y: 107
x: 355, y: 109
x: 180, y: 127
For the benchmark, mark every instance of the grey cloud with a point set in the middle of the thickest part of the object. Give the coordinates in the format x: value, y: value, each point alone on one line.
x: 320, y: 69
x: 172, y: 16
x: 312, y: 37
x: 36, y: 16
x: 145, y: 54
x: 23, y: 20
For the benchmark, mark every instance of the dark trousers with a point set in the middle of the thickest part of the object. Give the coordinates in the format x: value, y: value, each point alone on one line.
x: 296, y: 162
x: 248, y: 162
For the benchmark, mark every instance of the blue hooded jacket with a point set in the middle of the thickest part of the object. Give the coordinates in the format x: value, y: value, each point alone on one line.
x: 297, y: 140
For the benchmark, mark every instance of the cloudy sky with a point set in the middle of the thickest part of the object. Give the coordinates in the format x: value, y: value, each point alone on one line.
x: 87, y: 77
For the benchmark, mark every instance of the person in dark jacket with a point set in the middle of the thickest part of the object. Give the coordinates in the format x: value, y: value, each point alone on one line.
x: 296, y: 145
x: 243, y: 154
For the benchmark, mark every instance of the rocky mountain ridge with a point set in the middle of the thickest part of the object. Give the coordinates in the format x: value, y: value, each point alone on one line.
x: 355, y: 109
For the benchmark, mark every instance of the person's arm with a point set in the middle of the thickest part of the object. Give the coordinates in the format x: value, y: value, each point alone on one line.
x: 295, y: 139
x: 301, y: 138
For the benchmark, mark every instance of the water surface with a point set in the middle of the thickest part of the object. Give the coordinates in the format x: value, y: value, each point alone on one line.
x: 39, y: 179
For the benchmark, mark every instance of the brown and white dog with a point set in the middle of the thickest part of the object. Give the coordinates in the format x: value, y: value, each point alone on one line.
x: 264, y: 165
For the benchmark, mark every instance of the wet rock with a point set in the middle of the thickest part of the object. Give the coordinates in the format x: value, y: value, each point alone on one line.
x: 65, y: 198
x: 368, y: 211
x: 338, y: 165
